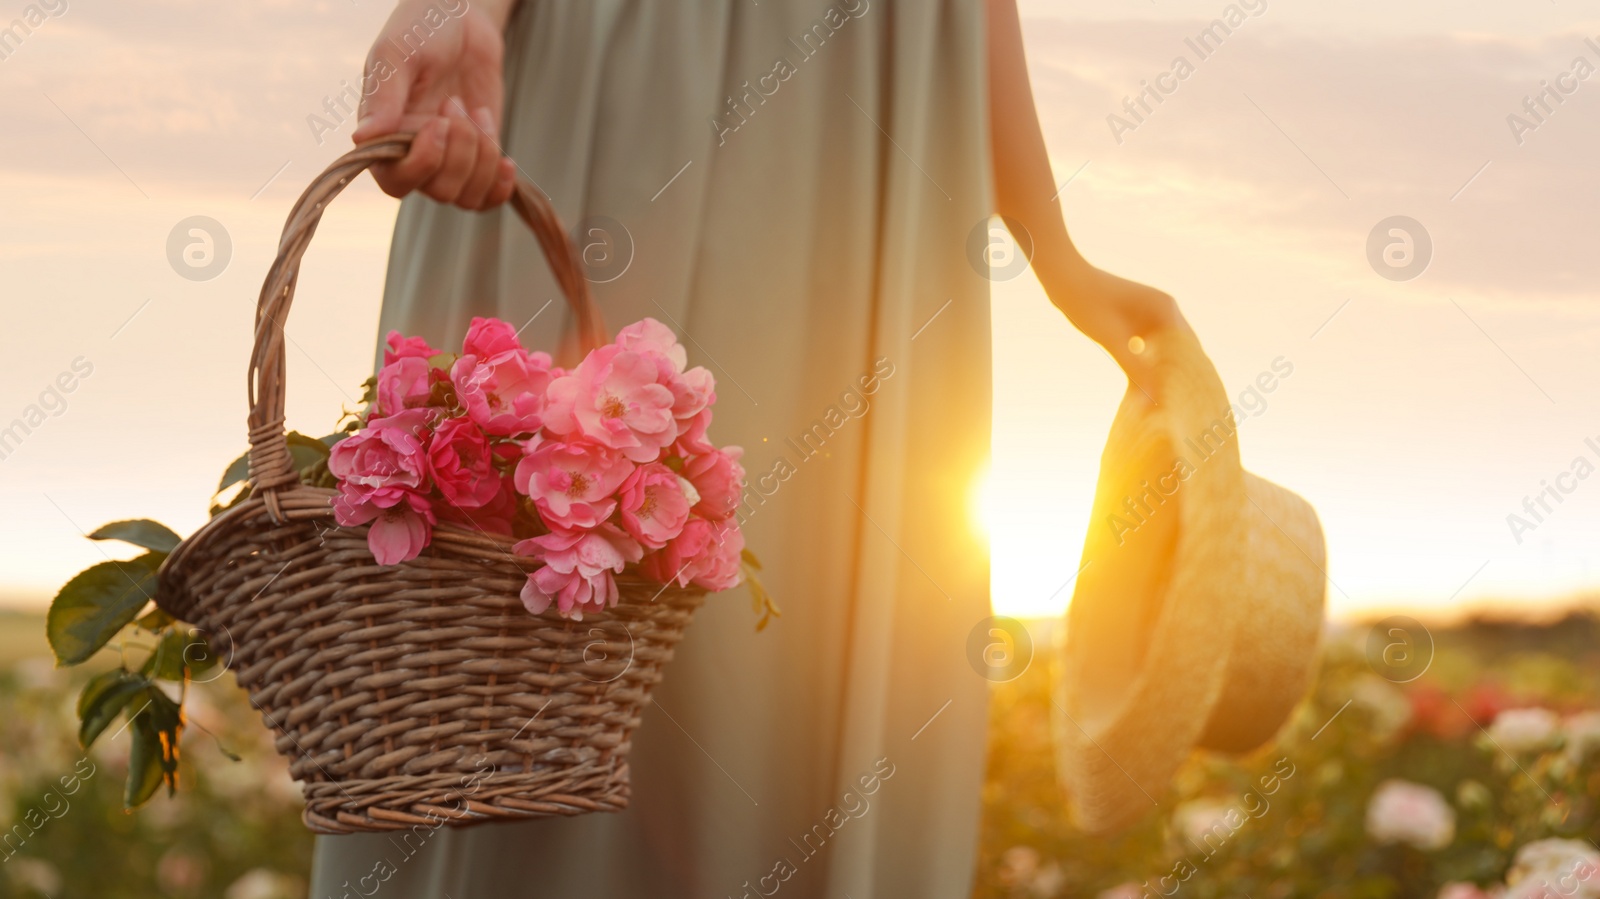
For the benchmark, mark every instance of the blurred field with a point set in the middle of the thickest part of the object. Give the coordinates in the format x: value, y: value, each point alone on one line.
x: 234, y: 831
x: 1314, y: 837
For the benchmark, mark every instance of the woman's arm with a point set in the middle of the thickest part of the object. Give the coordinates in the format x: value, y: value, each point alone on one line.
x: 435, y: 69
x: 1109, y: 309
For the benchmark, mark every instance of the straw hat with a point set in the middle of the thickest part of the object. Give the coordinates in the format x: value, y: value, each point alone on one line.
x: 1198, y: 605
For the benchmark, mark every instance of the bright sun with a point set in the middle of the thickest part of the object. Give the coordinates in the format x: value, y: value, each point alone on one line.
x: 982, y: 504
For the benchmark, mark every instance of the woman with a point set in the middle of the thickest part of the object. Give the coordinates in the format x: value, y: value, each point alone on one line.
x: 801, y: 190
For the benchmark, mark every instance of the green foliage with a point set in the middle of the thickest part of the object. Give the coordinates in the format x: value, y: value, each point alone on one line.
x: 141, y: 532
x: 103, y: 699
x: 92, y: 610
x: 231, y: 824
x: 98, y: 603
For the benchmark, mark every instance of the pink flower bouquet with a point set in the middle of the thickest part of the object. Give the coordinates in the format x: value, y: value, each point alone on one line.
x: 589, y: 469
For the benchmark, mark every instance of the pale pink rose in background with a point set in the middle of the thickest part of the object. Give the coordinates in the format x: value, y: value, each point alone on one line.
x: 401, y: 347
x: 1023, y: 875
x: 654, y: 505
x: 1460, y: 890
x: 398, y: 533
x: 504, y: 393
x: 1404, y: 812
x: 613, y: 398
x: 1198, y: 819
x: 405, y: 383
x: 650, y: 336
x: 1387, y: 707
x: 1525, y: 730
x: 489, y: 337
x: 383, y: 461
x: 1555, y: 869
x: 578, y: 572
x: 574, y: 485
x: 462, y: 466
x: 719, y: 479
x: 706, y: 553
x: 1582, y: 732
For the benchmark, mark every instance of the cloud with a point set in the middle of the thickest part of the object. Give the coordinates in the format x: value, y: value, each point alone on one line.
x: 1278, y: 126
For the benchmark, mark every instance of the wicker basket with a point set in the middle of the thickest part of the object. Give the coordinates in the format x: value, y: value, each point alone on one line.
x: 422, y: 693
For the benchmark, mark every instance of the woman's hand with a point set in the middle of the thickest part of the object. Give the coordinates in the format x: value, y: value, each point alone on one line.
x: 1118, y: 314
x: 444, y: 83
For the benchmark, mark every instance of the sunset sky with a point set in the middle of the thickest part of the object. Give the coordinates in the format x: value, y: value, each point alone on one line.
x: 1419, y: 415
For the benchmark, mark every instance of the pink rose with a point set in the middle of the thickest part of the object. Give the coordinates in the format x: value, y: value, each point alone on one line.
x: 461, y: 464
x: 719, y: 479
x: 383, y: 461
x: 613, y: 398
x: 706, y: 553
x: 720, y: 569
x: 406, y: 348
x: 692, y: 392
x: 398, y: 533
x: 578, y: 569
x: 497, y: 516
x: 650, y: 336
x: 489, y: 337
x: 574, y: 485
x: 503, y: 393
x: 692, y: 440
x: 654, y: 505
x: 405, y: 383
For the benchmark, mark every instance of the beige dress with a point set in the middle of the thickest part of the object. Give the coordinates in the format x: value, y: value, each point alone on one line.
x: 792, y: 187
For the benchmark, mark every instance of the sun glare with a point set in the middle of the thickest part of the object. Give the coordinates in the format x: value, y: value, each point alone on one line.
x: 982, y: 504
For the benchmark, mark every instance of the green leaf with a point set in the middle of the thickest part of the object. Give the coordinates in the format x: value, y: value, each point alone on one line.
x: 103, y: 699
x: 179, y: 649
x: 97, y: 603
x: 166, y: 663
x: 238, y: 470
x: 157, y: 728
x: 144, y: 763
x: 761, y: 601
x: 749, y: 558
x: 154, y: 620
x: 141, y: 532
x: 304, y: 452
x: 168, y: 717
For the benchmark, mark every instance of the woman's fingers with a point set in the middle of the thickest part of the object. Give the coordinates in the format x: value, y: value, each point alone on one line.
x: 486, y: 168
x: 420, y: 165
x: 453, y: 159
x: 460, y: 158
x: 505, y: 183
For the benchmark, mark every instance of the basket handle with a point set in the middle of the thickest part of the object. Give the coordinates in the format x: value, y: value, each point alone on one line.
x: 271, y: 468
